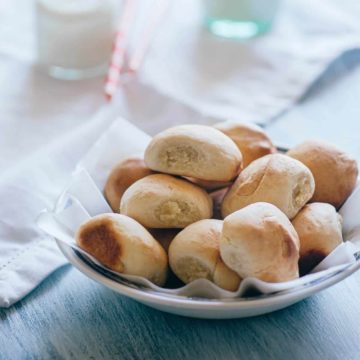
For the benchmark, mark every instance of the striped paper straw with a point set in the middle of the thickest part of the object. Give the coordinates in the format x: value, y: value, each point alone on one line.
x: 119, y: 48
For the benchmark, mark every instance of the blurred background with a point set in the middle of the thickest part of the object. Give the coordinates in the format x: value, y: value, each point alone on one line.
x: 266, y: 58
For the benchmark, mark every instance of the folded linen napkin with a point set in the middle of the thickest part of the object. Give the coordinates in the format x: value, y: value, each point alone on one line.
x: 27, y: 256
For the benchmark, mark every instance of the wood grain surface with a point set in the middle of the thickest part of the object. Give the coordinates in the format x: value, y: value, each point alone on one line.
x: 71, y: 317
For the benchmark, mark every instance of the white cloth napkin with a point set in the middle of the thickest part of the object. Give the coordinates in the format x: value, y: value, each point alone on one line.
x: 27, y: 256
x: 257, y: 80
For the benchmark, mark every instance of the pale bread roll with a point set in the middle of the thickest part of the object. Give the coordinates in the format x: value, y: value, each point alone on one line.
x: 123, y: 245
x: 197, y: 151
x: 194, y: 254
x: 276, y: 179
x: 259, y: 241
x: 319, y: 227
x: 164, y: 201
x: 121, y: 177
x: 335, y: 172
x: 251, y: 140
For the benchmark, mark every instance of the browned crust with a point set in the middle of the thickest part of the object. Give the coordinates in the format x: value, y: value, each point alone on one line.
x: 102, y: 241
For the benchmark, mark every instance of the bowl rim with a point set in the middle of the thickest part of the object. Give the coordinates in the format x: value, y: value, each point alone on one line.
x: 202, y: 303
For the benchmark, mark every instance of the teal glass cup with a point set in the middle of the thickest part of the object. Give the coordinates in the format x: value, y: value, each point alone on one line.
x: 240, y: 19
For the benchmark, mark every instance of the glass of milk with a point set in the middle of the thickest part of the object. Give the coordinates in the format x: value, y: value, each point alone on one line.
x: 74, y: 37
x: 240, y: 19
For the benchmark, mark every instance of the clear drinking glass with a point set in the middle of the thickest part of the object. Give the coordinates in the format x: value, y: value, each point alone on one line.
x: 240, y: 19
x: 74, y: 37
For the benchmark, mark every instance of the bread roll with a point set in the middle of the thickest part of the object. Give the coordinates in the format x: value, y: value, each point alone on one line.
x: 121, y: 177
x: 194, y: 254
x: 123, y: 245
x: 276, y: 179
x: 259, y: 241
x: 197, y: 151
x: 251, y: 140
x: 319, y: 228
x: 163, y: 201
x: 335, y: 172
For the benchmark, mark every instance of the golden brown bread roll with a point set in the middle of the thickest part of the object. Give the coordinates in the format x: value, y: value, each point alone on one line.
x: 335, y: 172
x: 259, y: 241
x: 276, y: 179
x: 194, y: 254
x: 122, y: 176
x: 251, y: 140
x: 319, y: 228
x: 164, y: 201
x: 197, y: 151
x: 123, y: 245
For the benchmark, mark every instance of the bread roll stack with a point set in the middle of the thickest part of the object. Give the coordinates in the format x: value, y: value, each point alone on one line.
x: 167, y: 193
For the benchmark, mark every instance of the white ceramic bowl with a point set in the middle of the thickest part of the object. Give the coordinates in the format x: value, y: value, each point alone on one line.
x: 205, y: 308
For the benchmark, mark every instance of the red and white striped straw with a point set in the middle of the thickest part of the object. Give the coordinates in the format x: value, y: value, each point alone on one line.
x: 119, y: 48
x: 154, y: 21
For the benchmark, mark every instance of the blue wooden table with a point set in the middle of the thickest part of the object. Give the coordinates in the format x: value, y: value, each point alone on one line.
x: 71, y: 317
